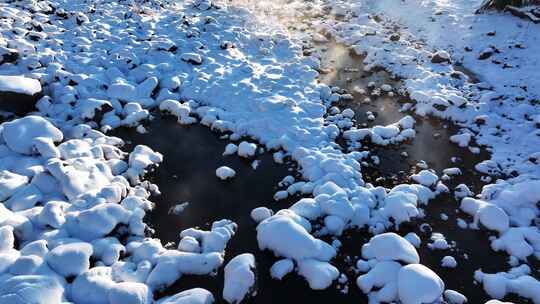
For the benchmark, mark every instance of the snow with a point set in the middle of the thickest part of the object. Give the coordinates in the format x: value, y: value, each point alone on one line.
x: 319, y: 274
x: 449, y: 261
x: 418, y: 284
x: 425, y: 177
x: 71, y: 259
x: 239, y: 278
x: 515, y: 281
x: 454, y: 297
x: 25, y: 289
x: 246, y: 149
x: 130, y: 292
x: 20, y: 134
x: 286, y: 238
x: 230, y: 149
x: 281, y: 268
x: 259, y: 214
x: 191, y: 296
x: 225, y: 173
x: 65, y: 187
x: 19, y: 84
x: 390, y: 247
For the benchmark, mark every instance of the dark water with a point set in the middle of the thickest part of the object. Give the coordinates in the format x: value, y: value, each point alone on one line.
x: 192, y: 153
x: 191, y: 156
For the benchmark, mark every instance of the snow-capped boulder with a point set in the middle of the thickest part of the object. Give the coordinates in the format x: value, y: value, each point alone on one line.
x: 93, y: 286
x: 259, y: 214
x: 130, y: 292
x: 9, y: 183
x: 281, y: 268
x: 246, y: 149
x: 390, y: 247
x: 70, y: 259
x: 225, y: 173
x: 319, y: 275
x: 191, y: 296
x: 19, y: 134
x: 239, y: 278
x: 383, y: 276
x: 418, y: 284
x: 31, y: 289
x: 18, y: 94
x: 287, y: 238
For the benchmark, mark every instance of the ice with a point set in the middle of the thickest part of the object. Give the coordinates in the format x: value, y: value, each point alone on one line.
x: 239, y: 278
x: 225, y: 173
x: 319, y: 274
x: 418, y: 284
x: 19, y: 84
x: 390, y: 247
x: 20, y: 134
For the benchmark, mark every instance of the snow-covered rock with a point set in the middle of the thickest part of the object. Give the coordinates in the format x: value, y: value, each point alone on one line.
x: 239, y: 278
x: 70, y: 259
x: 390, y: 247
x: 319, y: 274
x: 20, y: 134
x: 31, y: 289
x: 225, y: 173
x: 418, y: 284
x: 286, y: 238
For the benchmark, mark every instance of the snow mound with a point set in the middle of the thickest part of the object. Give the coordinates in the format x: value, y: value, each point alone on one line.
x: 191, y: 296
x: 390, y: 247
x: 287, y: 238
x: 319, y: 274
x: 418, y: 284
x: 19, y: 84
x: 239, y: 278
x: 31, y: 289
x: 20, y: 134
x: 225, y: 173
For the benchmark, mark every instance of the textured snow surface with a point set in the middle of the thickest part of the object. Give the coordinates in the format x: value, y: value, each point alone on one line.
x: 72, y: 203
x: 19, y: 84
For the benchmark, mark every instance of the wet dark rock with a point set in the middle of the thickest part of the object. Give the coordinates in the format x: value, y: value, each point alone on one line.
x: 8, y: 55
x: 485, y: 54
x: 440, y: 57
x: 395, y: 37
x: 19, y: 95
